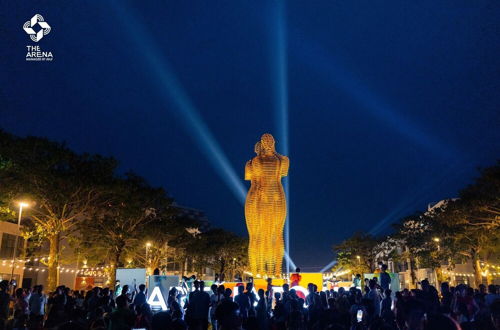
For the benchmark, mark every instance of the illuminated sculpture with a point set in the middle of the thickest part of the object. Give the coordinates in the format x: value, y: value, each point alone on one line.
x: 265, y: 208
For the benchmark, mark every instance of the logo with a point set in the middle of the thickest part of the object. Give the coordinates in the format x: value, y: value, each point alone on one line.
x: 36, y: 28
x: 31, y: 24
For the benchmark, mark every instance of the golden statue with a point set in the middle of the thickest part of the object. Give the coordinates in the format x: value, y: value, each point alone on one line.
x: 265, y: 208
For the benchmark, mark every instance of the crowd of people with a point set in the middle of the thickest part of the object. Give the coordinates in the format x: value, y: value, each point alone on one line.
x: 366, y: 307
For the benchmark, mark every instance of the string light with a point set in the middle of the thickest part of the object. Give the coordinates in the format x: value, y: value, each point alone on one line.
x: 458, y: 274
x: 487, y: 265
x: 85, y: 272
x: 94, y: 271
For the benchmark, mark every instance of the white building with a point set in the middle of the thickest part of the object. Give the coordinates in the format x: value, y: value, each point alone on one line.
x: 8, y: 270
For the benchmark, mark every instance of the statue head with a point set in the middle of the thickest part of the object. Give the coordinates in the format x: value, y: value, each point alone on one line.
x: 258, y: 148
x: 267, y: 142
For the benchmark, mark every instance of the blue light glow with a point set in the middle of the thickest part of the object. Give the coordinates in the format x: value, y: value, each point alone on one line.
x: 289, y: 261
x: 336, y: 73
x: 280, y: 83
x: 417, y: 197
x: 330, y: 265
x: 173, y: 93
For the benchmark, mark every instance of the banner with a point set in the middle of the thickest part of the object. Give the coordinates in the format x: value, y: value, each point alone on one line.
x: 133, y: 277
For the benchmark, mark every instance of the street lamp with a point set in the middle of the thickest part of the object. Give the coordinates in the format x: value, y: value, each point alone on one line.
x: 234, y: 268
x: 148, y: 245
x: 437, y: 240
x: 14, y: 254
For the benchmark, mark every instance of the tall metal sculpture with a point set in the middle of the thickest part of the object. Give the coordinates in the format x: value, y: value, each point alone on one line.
x: 265, y: 208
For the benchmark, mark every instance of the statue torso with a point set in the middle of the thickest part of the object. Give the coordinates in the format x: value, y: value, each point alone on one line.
x: 267, y: 171
x: 266, y: 168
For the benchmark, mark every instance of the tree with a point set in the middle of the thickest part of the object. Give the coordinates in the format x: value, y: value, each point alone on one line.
x: 220, y: 250
x: 357, y: 253
x: 418, y: 234
x: 118, y: 228
x: 473, y: 220
x: 63, y: 187
x: 168, y: 235
x: 480, y: 201
x: 389, y: 249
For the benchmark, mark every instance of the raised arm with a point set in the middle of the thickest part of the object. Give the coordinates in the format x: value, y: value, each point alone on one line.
x: 285, y: 164
x: 248, y: 171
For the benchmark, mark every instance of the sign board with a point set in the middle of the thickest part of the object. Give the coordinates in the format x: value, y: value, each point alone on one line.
x: 133, y: 277
x: 158, y: 288
x: 394, y: 286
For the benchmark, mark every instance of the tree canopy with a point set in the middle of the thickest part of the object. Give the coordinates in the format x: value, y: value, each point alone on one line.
x: 107, y: 218
x: 453, y: 231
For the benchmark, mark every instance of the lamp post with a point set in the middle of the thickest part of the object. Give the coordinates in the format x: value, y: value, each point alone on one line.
x: 234, y: 268
x: 148, y: 245
x: 14, y: 254
x: 437, y: 240
x: 166, y: 258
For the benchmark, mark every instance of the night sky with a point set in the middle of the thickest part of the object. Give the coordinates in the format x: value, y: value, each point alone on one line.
x: 391, y: 105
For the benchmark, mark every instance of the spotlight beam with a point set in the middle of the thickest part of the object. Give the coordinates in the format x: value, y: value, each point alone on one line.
x: 330, y: 265
x: 173, y: 93
x: 418, y: 197
x: 332, y: 70
x: 280, y: 76
x: 289, y: 260
x: 280, y: 84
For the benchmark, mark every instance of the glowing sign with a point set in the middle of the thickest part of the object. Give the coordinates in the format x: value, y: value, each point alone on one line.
x: 160, y: 302
x: 277, y: 289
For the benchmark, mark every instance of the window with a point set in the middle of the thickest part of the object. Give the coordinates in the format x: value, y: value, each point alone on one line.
x: 7, y: 247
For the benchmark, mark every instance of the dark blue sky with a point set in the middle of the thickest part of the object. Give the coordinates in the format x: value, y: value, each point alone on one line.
x: 391, y: 105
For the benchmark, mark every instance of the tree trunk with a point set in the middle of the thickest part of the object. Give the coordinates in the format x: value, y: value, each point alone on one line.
x: 53, y: 263
x: 489, y: 279
x: 370, y: 265
x: 439, y: 276
x: 184, y: 266
x: 114, y: 265
x: 476, y: 264
x: 154, y: 264
x: 25, y: 246
x: 112, y: 276
x: 413, y: 275
x: 222, y: 269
